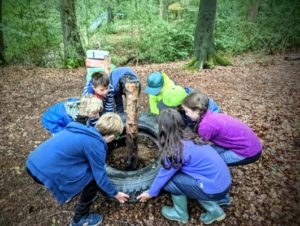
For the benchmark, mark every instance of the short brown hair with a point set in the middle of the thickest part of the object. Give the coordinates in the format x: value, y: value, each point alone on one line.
x: 110, y: 124
x: 100, y: 79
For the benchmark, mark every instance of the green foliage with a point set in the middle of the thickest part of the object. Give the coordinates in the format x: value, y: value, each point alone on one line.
x: 162, y: 42
x: 73, y: 63
x: 33, y: 34
x: 275, y: 27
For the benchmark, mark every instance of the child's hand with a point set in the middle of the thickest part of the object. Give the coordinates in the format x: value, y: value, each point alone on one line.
x: 121, y: 197
x: 144, y: 197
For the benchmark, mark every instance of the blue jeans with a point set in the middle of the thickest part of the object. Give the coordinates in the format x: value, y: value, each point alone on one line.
x: 233, y: 159
x: 183, y: 184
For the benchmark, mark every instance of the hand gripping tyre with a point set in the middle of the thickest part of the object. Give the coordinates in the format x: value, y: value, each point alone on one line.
x: 137, y: 181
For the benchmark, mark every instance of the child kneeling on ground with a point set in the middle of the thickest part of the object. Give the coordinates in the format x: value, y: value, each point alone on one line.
x: 189, y: 169
x: 235, y: 141
x: 73, y: 161
x: 86, y: 111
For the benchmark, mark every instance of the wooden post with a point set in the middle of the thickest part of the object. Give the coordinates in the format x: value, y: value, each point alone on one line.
x: 132, y: 95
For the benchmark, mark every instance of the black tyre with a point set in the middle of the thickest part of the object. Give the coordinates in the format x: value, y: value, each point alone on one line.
x: 135, y: 182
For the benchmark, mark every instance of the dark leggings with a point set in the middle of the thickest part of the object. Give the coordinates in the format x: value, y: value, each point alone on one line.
x: 86, y: 198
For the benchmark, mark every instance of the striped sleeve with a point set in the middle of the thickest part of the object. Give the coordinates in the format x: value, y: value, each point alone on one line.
x: 108, y: 102
x: 88, y: 89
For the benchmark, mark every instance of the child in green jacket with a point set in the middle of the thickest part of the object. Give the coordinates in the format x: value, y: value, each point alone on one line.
x: 157, y: 85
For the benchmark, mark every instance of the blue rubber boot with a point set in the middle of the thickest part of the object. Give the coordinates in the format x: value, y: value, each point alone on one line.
x: 225, y: 201
x: 89, y: 220
x: 179, y: 211
x: 214, y: 212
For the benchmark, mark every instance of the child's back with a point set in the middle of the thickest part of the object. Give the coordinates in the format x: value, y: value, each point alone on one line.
x: 56, y: 117
x: 229, y: 132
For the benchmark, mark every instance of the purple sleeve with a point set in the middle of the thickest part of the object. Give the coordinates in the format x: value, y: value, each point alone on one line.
x: 163, y: 176
x: 205, y: 131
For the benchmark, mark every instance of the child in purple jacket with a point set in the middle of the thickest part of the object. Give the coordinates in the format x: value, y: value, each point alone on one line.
x: 233, y: 140
x: 189, y: 169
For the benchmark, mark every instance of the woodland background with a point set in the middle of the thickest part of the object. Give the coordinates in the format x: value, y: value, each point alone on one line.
x: 261, y: 87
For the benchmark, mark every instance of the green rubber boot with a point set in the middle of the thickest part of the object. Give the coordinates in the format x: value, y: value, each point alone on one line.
x: 214, y: 212
x: 179, y: 211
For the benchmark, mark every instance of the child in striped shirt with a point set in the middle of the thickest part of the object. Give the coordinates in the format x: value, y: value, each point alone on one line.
x: 101, y: 88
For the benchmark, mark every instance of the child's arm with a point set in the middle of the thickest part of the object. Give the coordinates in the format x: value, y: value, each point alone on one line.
x: 144, y: 197
x: 212, y: 106
x: 108, y: 103
x: 87, y: 89
x: 153, y: 105
x: 163, y: 176
x: 96, y: 155
x: 206, y: 131
x: 121, y: 197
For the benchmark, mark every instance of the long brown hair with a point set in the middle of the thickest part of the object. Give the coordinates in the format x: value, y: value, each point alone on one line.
x: 197, y: 101
x: 172, y: 130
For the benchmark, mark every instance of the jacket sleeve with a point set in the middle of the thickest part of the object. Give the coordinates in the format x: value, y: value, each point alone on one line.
x: 212, y: 106
x: 96, y: 154
x: 108, y: 103
x: 163, y: 176
x: 206, y: 131
x: 153, y: 104
x: 88, y: 88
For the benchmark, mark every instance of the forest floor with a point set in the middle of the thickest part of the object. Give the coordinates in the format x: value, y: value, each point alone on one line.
x: 263, y: 91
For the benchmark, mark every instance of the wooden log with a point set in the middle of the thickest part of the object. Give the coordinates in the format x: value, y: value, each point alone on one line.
x: 132, y: 96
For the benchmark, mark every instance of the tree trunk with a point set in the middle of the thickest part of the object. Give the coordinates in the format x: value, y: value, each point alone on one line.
x: 204, y: 50
x: 135, y: 5
x: 110, y: 15
x: 2, y: 59
x: 204, y: 38
x: 72, y: 44
x: 164, y: 9
x: 253, y: 11
x: 132, y: 96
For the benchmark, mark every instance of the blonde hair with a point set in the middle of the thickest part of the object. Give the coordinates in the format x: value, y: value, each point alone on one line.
x: 110, y: 124
x: 90, y: 105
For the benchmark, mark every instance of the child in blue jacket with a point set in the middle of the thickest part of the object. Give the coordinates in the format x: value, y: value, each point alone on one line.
x: 59, y: 115
x: 189, y: 169
x: 118, y: 79
x: 73, y: 161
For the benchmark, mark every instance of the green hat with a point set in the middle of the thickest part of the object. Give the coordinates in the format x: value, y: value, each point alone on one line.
x: 173, y: 97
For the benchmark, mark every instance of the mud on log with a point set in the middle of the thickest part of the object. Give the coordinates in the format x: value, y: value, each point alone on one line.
x: 132, y: 96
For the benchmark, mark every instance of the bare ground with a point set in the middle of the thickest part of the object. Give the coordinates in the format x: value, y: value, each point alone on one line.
x: 263, y: 91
